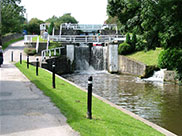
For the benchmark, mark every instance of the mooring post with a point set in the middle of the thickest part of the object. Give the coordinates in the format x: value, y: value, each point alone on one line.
x: 27, y: 62
x: 12, y: 56
x: 20, y: 58
x: 37, y: 67
x: 53, y: 75
x: 89, y: 100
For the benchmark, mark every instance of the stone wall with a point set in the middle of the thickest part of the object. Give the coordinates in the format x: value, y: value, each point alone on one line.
x: 169, y: 76
x: 62, y: 64
x: 11, y: 37
x: 129, y: 66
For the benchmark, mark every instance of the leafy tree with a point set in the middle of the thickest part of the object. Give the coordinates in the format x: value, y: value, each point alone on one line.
x: 34, y: 26
x: 128, y: 40
x: 12, y: 16
x: 66, y: 18
x: 133, y: 41
x: 158, y: 21
x: 51, y: 28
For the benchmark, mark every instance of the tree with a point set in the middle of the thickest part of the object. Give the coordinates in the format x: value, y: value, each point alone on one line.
x: 133, y: 41
x: 66, y: 18
x: 158, y: 21
x: 34, y: 26
x: 51, y: 28
x: 12, y: 16
x: 128, y: 40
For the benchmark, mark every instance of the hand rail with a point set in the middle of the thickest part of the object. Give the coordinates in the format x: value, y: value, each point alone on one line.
x: 87, y: 38
x: 43, y: 52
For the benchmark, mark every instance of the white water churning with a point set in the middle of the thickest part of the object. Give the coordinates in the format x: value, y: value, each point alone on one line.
x: 158, y: 76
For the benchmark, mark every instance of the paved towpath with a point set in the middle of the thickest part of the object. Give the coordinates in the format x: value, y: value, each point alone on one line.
x: 24, y: 110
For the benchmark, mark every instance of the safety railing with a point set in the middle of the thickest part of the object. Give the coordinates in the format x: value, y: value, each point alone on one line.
x: 87, y: 38
x: 51, y: 52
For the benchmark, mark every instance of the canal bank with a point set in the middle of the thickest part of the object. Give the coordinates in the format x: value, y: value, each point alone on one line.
x: 157, y: 102
x: 106, y: 120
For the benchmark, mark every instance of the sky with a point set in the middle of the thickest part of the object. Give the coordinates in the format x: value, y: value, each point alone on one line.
x: 84, y: 11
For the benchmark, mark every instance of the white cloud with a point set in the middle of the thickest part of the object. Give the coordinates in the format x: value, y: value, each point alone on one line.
x: 85, y: 11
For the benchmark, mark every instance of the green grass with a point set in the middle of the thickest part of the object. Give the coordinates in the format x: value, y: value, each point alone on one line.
x: 34, y: 39
x: 6, y: 44
x: 107, y: 120
x: 148, y: 58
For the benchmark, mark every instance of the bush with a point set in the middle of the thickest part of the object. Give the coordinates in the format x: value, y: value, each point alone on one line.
x: 50, y: 29
x: 124, y: 48
x: 133, y: 42
x: 128, y: 40
x: 30, y: 51
x: 54, y: 45
x: 172, y: 60
x: 140, y: 45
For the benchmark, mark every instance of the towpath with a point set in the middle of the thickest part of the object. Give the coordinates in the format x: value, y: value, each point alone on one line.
x: 24, y: 110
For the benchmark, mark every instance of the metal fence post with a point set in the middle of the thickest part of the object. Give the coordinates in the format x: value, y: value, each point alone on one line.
x: 89, y: 100
x: 27, y: 62
x: 37, y: 67
x: 20, y: 58
x: 12, y: 56
x: 53, y: 75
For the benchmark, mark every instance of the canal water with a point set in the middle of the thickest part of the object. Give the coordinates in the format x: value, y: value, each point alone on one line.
x: 157, y: 102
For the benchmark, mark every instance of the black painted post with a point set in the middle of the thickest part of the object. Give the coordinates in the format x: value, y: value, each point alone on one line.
x: 37, y: 66
x: 20, y: 58
x: 53, y: 75
x: 27, y: 62
x: 12, y: 56
x: 89, y: 100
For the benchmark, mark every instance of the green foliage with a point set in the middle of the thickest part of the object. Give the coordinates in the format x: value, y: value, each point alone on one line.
x: 124, y: 48
x: 140, y: 45
x: 172, y: 60
x: 128, y: 39
x: 12, y: 16
x: 66, y: 18
x: 50, y: 28
x: 159, y: 22
x: 34, y: 26
x: 54, y: 45
x: 71, y: 101
x: 133, y: 42
x: 30, y: 51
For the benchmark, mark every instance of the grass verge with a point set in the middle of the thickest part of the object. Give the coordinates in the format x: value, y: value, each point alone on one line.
x: 6, y: 44
x: 34, y: 39
x: 148, y: 58
x: 107, y: 120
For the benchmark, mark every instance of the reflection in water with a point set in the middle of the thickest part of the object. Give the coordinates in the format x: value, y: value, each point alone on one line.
x: 158, y: 103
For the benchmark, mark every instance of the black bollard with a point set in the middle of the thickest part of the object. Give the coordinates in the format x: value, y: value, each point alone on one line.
x: 89, y: 100
x: 53, y: 75
x: 37, y: 66
x: 12, y: 56
x: 27, y: 62
x: 20, y: 58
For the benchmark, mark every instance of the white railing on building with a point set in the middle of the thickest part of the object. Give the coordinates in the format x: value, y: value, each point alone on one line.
x: 87, y: 38
x: 87, y: 26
